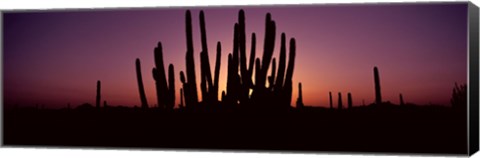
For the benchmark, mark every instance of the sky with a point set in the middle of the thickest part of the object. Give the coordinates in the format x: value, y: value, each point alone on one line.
x: 55, y: 57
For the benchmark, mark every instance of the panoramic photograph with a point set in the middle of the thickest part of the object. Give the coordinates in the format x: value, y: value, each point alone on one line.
x: 383, y: 78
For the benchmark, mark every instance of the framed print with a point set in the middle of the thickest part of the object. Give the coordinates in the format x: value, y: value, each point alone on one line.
x: 374, y: 78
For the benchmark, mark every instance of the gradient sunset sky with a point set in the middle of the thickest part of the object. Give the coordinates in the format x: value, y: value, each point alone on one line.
x: 56, y: 57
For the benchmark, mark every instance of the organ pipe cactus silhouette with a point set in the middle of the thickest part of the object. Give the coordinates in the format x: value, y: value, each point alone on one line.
x: 97, y: 103
x: 261, y: 95
x: 181, y: 99
x: 143, y: 98
x: 217, y: 72
x: 171, y: 87
x: 288, y: 78
x: 209, y: 87
x: 186, y: 95
x: 300, y: 97
x: 271, y: 78
x: 378, y: 94
x: 165, y: 93
x: 280, y: 84
x: 349, y: 98
x: 340, y: 101
x: 459, y: 96
x: 240, y: 90
x: 401, y: 99
x: 331, y: 100
x: 190, y: 86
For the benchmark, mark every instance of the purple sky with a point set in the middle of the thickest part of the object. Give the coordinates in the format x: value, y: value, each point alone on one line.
x: 56, y: 57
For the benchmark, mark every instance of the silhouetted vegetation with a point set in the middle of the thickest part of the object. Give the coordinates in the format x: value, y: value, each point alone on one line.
x: 143, y: 98
x: 349, y: 98
x: 331, y: 99
x: 253, y: 113
x: 165, y: 93
x: 378, y: 93
x: 97, y: 102
x: 340, y: 101
x: 459, y: 96
x: 300, y: 97
x: 401, y: 100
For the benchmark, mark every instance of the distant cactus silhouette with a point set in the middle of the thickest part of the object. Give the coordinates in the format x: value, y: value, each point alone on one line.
x: 105, y: 103
x: 300, y: 97
x: 378, y: 94
x: 331, y: 99
x: 349, y: 97
x: 459, y: 96
x: 401, y: 99
x: 340, y: 101
x: 171, y: 88
x: 97, y: 103
x: 141, y: 90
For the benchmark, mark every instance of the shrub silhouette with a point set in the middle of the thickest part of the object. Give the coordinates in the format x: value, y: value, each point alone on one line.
x: 141, y: 90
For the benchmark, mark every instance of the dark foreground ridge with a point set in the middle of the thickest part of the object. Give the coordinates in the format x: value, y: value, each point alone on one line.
x: 360, y: 129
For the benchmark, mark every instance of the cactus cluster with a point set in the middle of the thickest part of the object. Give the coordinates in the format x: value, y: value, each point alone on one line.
x: 241, y: 89
x: 279, y: 90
